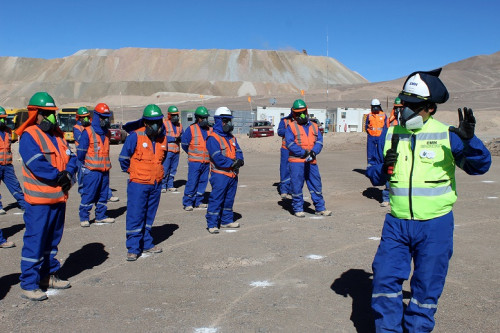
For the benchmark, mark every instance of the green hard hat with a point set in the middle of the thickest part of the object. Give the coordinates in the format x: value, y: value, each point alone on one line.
x: 43, y: 100
x: 397, y: 101
x: 299, y: 105
x: 201, y: 111
x: 2, y: 112
x: 173, y: 109
x: 152, y: 112
x: 82, y: 111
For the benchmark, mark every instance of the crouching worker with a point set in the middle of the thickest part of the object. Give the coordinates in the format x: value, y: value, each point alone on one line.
x: 142, y: 156
x: 48, y: 169
x: 226, y: 158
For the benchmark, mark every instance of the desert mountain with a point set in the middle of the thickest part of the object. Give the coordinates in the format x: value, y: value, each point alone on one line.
x: 91, y: 75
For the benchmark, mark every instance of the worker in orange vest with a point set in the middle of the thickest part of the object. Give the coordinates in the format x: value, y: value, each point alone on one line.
x: 376, y: 121
x: 7, y: 173
x: 174, y: 132
x: 226, y: 159
x: 194, y: 144
x: 142, y: 156
x: 93, y: 154
x: 284, y: 187
x: 304, y: 142
x: 48, y: 170
x: 83, y: 119
x: 397, y: 108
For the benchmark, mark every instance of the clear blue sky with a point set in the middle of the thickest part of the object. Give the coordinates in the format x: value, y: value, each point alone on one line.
x: 381, y: 40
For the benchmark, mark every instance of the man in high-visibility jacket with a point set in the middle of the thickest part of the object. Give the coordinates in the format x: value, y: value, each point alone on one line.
x: 83, y: 119
x: 48, y: 169
x: 93, y: 154
x: 7, y: 174
x: 376, y: 121
x: 174, y: 132
x: 193, y: 142
x: 142, y: 156
x: 304, y: 141
x: 284, y: 188
x: 418, y: 157
x: 226, y: 159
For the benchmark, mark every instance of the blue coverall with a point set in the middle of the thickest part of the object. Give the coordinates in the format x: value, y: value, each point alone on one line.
x: 308, y: 172
x: 142, y: 203
x: 429, y: 243
x: 197, y: 173
x: 221, y: 200
x: 372, y: 141
x: 8, y: 175
x: 170, y: 164
x: 95, y: 184
x: 44, y: 223
x: 284, y: 165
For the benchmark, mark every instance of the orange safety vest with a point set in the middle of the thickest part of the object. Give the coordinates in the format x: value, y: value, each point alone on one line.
x: 376, y: 123
x: 392, y: 121
x: 5, y: 152
x: 227, y: 150
x: 39, y: 191
x: 97, y: 157
x: 303, y: 140
x: 197, y: 150
x: 173, y: 147
x: 283, y: 141
x: 145, y: 164
x: 80, y: 128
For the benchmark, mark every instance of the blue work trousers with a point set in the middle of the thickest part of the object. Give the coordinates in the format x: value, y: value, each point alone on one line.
x: 430, y: 245
x: 196, y: 184
x: 169, y: 169
x: 95, y: 187
x: 309, y: 173
x: 284, y: 172
x: 2, y: 239
x: 221, y: 200
x: 371, y: 147
x: 8, y: 176
x: 142, y: 204
x: 44, y: 230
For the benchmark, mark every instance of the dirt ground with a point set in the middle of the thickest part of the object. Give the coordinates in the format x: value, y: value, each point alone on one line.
x: 277, y: 273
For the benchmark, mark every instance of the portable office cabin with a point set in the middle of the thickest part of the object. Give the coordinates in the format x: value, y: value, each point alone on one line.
x: 242, y: 120
x: 350, y: 119
x: 274, y: 115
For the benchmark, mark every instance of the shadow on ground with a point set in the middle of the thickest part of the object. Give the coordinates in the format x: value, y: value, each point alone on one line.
x: 12, y: 230
x: 286, y: 204
x: 361, y: 171
x: 373, y: 193
x: 179, y: 183
x: 163, y: 232
x: 6, y: 282
x: 11, y: 206
x: 117, y: 212
x: 88, y: 257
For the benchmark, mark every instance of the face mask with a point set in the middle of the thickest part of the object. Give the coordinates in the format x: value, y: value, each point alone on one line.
x: 174, y: 119
x: 48, y: 123
x: 85, y: 122
x: 410, y: 119
x: 228, y: 127
x: 302, y: 119
x: 104, y: 123
x: 203, y: 123
x: 2, y: 124
x: 152, y: 130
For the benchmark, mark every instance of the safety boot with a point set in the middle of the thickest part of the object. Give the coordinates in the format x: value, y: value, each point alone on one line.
x: 34, y: 295
x: 106, y: 220
x: 132, y: 257
x: 163, y: 190
x: 213, y: 230
x: 2, y: 212
x: 300, y: 214
x: 84, y: 224
x: 202, y: 206
x: 7, y: 244
x: 114, y: 199
x: 172, y: 189
x: 154, y: 249
x: 188, y: 208
x: 324, y: 213
x: 230, y: 225
x: 384, y: 204
x: 54, y: 282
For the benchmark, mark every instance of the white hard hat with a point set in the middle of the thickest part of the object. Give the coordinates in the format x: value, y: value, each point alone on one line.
x: 375, y: 102
x: 223, y: 111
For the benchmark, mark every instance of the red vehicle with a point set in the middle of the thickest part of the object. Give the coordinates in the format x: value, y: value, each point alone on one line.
x: 260, y: 129
x: 320, y: 125
x: 118, y: 135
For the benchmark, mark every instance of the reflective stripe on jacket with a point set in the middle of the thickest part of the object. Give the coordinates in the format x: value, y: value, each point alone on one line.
x: 423, y: 183
x: 97, y: 157
x: 145, y: 164
x: 5, y: 152
x: 303, y: 140
x: 39, y: 191
x: 283, y: 141
x: 80, y: 128
x: 376, y: 123
x: 226, y: 149
x: 197, y: 151
x: 173, y: 147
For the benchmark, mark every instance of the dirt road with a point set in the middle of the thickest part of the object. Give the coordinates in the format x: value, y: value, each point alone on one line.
x: 277, y: 273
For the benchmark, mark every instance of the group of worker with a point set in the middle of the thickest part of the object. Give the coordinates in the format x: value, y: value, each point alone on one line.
x: 410, y: 152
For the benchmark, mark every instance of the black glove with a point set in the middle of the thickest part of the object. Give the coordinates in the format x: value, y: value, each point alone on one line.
x: 178, y: 139
x: 312, y: 155
x: 466, y: 124
x: 64, y: 180
x: 306, y: 153
x: 237, y: 164
x: 390, y: 159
